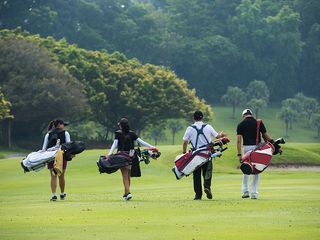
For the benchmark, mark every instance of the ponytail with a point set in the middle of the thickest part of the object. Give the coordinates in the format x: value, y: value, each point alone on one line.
x: 51, y: 125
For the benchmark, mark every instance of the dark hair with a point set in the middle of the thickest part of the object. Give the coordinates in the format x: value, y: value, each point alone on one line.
x: 51, y: 124
x: 55, y: 123
x: 124, y: 125
x: 198, y: 115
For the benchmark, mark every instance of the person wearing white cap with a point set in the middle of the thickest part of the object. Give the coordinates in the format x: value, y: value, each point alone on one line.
x: 248, y: 137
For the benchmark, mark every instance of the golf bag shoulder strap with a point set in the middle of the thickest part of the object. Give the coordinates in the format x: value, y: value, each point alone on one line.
x: 258, y: 131
x: 199, y: 132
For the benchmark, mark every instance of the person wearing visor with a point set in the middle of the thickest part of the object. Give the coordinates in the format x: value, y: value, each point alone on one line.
x: 198, y: 135
x: 247, y: 140
x: 124, y: 140
x: 56, y: 135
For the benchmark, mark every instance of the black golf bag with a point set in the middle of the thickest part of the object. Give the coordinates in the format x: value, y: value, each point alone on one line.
x: 114, y: 162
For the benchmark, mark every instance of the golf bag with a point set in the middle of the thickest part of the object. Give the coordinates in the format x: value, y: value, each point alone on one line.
x: 72, y: 148
x: 256, y: 161
x: 113, y: 162
x: 186, y: 164
x: 35, y: 161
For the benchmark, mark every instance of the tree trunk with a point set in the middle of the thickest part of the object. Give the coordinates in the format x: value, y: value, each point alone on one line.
x: 233, y: 111
x: 173, y: 135
x: 287, y: 128
x: 9, y: 133
x: 290, y: 125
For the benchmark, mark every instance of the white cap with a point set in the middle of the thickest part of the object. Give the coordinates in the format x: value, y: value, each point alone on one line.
x: 247, y: 112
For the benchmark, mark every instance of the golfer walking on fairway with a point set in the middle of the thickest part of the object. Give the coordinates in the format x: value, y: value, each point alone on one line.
x: 248, y: 135
x: 200, y: 134
x: 56, y: 133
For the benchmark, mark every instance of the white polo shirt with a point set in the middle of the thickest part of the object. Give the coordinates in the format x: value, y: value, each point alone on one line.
x: 191, y: 134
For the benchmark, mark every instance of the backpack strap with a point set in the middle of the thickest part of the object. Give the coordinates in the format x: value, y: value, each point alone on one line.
x: 258, y: 131
x: 199, y: 132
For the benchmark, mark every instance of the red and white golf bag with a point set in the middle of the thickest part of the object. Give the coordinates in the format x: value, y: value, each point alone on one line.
x: 256, y: 161
x: 187, y: 163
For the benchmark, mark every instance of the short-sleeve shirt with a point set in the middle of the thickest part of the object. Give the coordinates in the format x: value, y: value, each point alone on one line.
x: 125, y: 140
x: 191, y: 134
x: 248, y: 130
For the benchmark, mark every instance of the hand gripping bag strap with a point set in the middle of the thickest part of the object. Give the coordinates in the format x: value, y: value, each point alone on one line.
x: 199, y: 132
x: 258, y: 131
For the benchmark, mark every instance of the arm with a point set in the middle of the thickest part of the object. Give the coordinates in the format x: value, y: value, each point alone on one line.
x: 143, y: 143
x: 45, y: 142
x: 266, y: 137
x: 67, y: 135
x: 221, y: 134
x: 184, y: 147
x: 215, y: 134
x: 113, y: 147
x: 239, y: 146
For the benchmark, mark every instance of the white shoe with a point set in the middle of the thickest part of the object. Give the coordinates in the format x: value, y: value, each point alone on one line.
x: 127, y: 197
x: 245, y: 194
x: 254, y: 196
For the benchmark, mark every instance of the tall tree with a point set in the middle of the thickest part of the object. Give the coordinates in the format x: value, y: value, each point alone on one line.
x: 295, y: 105
x: 175, y: 126
x: 234, y: 97
x: 37, y: 88
x: 315, y: 122
x: 287, y: 115
x: 257, y: 105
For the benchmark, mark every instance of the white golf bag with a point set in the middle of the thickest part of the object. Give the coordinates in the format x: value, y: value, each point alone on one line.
x: 35, y: 161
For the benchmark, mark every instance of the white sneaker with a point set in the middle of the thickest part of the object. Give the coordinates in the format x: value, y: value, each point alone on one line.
x: 127, y: 197
x: 254, y: 196
x: 245, y: 194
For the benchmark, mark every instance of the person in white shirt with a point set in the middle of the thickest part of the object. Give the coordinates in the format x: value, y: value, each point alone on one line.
x: 56, y: 135
x: 198, y: 135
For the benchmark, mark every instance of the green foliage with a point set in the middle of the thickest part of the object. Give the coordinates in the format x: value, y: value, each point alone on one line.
x: 259, y: 90
x: 309, y: 105
x: 114, y: 85
x: 175, y: 125
x: 156, y: 133
x: 288, y: 115
x: 4, y: 107
x: 211, y: 44
x: 234, y: 97
x: 257, y: 105
x: 38, y: 89
x: 315, y: 122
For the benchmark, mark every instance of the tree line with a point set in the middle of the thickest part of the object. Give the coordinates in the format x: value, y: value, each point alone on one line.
x: 212, y: 44
x: 42, y: 78
x: 256, y: 96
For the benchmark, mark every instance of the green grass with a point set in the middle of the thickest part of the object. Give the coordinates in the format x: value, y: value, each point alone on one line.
x: 223, y: 121
x: 162, y: 207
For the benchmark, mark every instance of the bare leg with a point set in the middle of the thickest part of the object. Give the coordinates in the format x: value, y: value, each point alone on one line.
x: 53, y: 181
x: 126, y: 180
x: 62, y: 182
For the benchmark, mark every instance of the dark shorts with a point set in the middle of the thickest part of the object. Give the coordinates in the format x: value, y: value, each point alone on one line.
x: 64, y: 166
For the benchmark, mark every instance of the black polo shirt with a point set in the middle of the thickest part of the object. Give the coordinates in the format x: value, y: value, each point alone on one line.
x: 248, y: 129
x: 125, y: 140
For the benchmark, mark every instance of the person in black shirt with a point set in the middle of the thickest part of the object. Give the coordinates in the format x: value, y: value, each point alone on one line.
x: 56, y: 135
x: 247, y: 133
x: 124, y: 139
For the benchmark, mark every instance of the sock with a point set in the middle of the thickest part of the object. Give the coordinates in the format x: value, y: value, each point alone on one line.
x: 63, y: 193
x: 54, y: 194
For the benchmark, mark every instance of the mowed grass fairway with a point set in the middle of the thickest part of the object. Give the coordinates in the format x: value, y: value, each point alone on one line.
x: 161, y: 208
